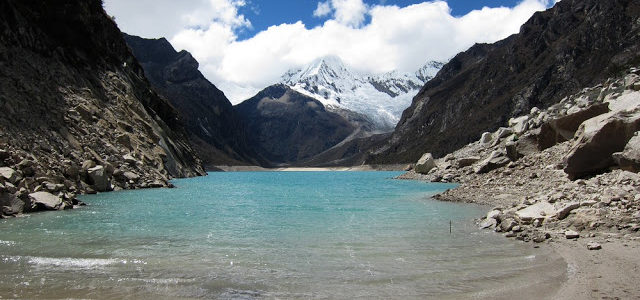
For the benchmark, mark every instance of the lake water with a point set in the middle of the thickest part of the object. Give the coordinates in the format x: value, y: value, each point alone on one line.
x: 264, y: 235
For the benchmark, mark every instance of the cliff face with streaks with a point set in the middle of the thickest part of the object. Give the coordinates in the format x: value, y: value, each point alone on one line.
x: 78, y: 115
x: 214, y: 128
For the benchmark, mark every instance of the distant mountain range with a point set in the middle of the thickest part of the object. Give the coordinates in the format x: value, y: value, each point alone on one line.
x: 381, y: 98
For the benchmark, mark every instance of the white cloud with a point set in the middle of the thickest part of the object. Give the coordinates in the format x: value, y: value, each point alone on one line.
x: 349, y: 12
x: 323, y: 10
x: 400, y: 38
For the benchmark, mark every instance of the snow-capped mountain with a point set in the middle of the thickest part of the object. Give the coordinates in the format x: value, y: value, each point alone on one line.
x: 382, y: 97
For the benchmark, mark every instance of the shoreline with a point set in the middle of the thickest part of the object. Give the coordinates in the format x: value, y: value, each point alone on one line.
x: 396, y: 167
x: 610, y: 272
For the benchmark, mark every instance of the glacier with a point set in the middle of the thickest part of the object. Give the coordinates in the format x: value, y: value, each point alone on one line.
x: 379, y: 97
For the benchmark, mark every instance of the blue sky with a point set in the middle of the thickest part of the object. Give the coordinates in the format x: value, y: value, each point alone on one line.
x: 265, y: 13
x: 245, y: 45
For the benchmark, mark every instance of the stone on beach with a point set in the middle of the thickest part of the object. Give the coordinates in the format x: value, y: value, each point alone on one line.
x: 425, y: 164
x: 538, y: 211
x: 570, y: 234
x: 594, y: 246
x: 46, y: 200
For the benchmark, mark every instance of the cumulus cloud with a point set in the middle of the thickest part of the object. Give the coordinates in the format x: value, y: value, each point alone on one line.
x: 395, y: 38
x: 323, y: 10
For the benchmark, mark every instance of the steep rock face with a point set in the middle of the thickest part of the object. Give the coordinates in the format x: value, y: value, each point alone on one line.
x: 288, y: 126
x: 575, y: 44
x: 73, y: 97
x: 215, y: 130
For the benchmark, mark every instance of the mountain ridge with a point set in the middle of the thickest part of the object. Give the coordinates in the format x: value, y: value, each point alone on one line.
x: 556, y: 53
x: 380, y: 97
x: 215, y: 129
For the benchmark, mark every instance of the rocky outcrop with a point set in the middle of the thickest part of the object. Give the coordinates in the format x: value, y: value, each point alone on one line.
x: 575, y: 44
x: 597, y: 140
x: 216, y: 132
x: 564, y: 128
x: 73, y: 97
x: 600, y: 137
x: 289, y: 127
x: 533, y: 198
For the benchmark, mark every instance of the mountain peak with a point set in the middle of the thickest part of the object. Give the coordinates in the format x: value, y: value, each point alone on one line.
x: 381, y: 97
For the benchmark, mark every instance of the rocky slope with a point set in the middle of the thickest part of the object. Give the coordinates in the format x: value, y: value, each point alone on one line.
x: 566, y: 172
x: 288, y: 127
x: 380, y: 98
x: 576, y: 43
x: 216, y: 132
x: 78, y: 114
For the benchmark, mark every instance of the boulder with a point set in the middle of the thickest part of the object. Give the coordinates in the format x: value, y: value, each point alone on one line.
x: 9, y: 174
x: 512, y: 151
x: 519, y: 124
x: 570, y: 234
x: 10, y: 204
x: 629, y: 158
x: 494, y: 214
x: 46, y: 200
x: 488, y: 223
x: 496, y: 160
x: 131, y: 176
x: 507, y: 224
x: 129, y: 159
x: 486, y: 138
x: 564, y: 211
x: 425, y: 164
x: 564, y: 128
x: 538, y: 211
x: 88, y: 164
x: 528, y: 143
x: 467, y: 161
x: 99, y: 178
x: 503, y: 132
x: 593, y: 246
x: 597, y: 139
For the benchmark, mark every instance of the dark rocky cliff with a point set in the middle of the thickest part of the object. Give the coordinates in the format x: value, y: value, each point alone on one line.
x: 78, y: 115
x: 575, y: 44
x: 217, y: 133
x: 289, y: 127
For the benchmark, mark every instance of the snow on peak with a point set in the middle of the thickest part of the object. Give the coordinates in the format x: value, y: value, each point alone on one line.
x: 381, y: 97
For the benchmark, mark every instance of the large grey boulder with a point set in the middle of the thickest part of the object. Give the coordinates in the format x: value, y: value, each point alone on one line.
x: 9, y: 174
x: 486, y: 138
x: 629, y: 158
x: 597, y: 139
x: 46, y: 200
x: 519, y: 124
x: 564, y: 128
x: 99, y: 178
x: 496, y: 160
x: 538, y: 211
x: 425, y: 164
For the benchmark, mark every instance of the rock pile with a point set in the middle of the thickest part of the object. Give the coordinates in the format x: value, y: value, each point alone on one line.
x: 78, y: 116
x: 567, y: 171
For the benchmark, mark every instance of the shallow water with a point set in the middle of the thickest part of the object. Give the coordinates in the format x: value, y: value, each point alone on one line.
x: 262, y: 235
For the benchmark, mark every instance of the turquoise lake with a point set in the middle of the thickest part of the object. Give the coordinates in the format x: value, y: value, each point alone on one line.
x: 263, y: 235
